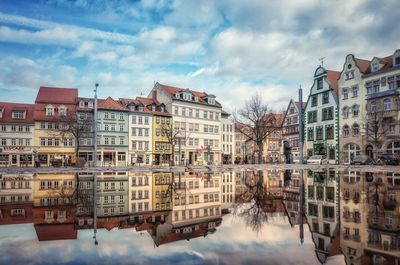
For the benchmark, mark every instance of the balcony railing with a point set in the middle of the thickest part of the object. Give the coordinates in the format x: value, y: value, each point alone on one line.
x: 386, y: 93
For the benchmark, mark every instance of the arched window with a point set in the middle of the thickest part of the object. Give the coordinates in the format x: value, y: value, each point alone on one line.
x: 345, y: 93
x: 356, y: 110
x: 387, y: 104
x: 345, y: 112
x: 394, y: 147
x: 49, y: 110
x: 356, y: 129
x: 346, y: 130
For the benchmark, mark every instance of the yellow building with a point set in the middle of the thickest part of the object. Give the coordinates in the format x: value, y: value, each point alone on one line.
x: 53, y: 189
x: 162, y: 190
x: 50, y: 144
x: 162, y: 148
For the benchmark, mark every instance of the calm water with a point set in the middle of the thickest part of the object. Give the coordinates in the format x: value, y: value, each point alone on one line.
x: 225, y: 218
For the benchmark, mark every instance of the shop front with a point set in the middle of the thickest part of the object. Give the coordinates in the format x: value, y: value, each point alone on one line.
x: 16, y: 156
x: 113, y: 157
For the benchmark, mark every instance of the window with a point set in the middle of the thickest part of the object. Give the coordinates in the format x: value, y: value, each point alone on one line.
x: 314, y: 101
x: 121, y: 116
x: 325, y: 98
x: 310, y: 134
x: 375, y: 66
x: 345, y: 93
x: 373, y: 106
x: 319, y: 133
x: 146, y: 120
x: 391, y: 83
x: 354, y: 90
x: 62, y: 111
x: 328, y: 212
x: 356, y: 110
x: 133, y: 119
x: 346, y: 131
x: 176, y: 110
x: 49, y: 111
x: 319, y: 83
x: 106, y: 115
x: 327, y: 114
x: 329, y: 133
x: 392, y: 127
x: 18, y: 114
x: 397, y: 60
x: 312, y: 116
x: 355, y: 129
x: 387, y: 104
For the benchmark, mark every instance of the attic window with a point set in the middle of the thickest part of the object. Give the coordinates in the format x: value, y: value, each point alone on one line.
x: 397, y: 60
x: 132, y: 107
x: 196, y: 99
x: 162, y: 109
x: 153, y: 107
x: 177, y: 95
x: 18, y: 114
x: 140, y: 108
x: 90, y: 104
x: 211, y: 101
x: 81, y: 104
x: 62, y: 111
x: 1, y: 113
x: 375, y: 66
x: 319, y: 83
x: 49, y: 111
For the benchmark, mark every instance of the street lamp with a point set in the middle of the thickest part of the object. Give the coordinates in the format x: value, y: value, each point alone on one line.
x: 95, y: 164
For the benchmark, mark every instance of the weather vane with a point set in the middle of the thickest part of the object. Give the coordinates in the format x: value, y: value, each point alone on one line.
x: 322, y: 60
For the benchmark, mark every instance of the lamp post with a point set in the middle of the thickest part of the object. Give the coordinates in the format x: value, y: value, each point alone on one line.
x: 302, y: 190
x: 95, y: 164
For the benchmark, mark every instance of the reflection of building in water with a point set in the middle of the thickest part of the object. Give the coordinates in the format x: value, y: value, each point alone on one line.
x: 16, y: 198
x: 140, y: 192
x: 162, y: 183
x: 322, y: 209
x: 353, y: 217
x: 54, y: 208
x: 196, y: 208
x: 196, y: 197
x: 112, y: 194
x: 291, y: 196
x: 273, y: 180
x: 228, y: 189
x: 384, y: 218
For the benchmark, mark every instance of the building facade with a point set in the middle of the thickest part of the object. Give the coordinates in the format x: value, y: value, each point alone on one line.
x: 290, y: 127
x: 85, y: 129
x: 228, y: 139
x: 112, y: 133
x: 196, y: 122
x: 51, y: 145
x: 16, y: 134
x: 321, y: 121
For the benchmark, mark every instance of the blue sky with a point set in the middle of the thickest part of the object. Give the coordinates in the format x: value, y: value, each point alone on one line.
x: 229, y: 48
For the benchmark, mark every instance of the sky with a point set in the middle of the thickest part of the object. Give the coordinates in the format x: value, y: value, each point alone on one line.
x: 232, y: 49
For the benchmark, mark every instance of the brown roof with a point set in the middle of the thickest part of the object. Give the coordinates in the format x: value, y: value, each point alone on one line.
x: 56, y: 95
x: 8, y: 107
x: 47, y: 232
x: 362, y: 64
x: 40, y: 111
x: 333, y: 78
x: 110, y: 104
x: 146, y: 103
x: 302, y: 105
x: 280, y: 117
x: 201, y: 95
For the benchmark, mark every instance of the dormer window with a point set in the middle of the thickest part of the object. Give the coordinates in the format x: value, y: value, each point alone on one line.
x: 1, y: 113
x: 196, y: 99
x: 153, y: 107
x: 49, y: 110
x: 397, y: 60
x: 162, y: 108
x: 90, y: 104
x: 132, y: 107
x: 62, y: 111
x: 375, y: 66
x: 177, y: 95
x: 18, y: 114
x: 141, y: 108
x: 81, y: 104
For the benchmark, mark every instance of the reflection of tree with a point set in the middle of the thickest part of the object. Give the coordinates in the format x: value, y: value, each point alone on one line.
x: 262, y: 203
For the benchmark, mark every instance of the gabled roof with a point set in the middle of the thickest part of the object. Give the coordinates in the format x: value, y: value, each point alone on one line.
x: 56, y: 95
x: 8, y: 107
x: 333, y: 78
x: 110, y: 104
x: 362, y: 64
x: 171, y: 90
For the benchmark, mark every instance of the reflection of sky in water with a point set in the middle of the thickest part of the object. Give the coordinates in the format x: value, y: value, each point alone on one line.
x: 233, y: 243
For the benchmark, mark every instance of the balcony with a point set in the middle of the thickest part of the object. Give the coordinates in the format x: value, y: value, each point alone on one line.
x: 387, y: 93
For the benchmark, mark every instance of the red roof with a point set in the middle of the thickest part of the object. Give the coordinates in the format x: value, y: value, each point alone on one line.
x: 333, y: 78
x: 201, y: 95
x: 362, y: 64
x: 57, y: 95
x: 7, y: 109
x: 146, y: 103
x: 47, y: 232
x: 110, y: 104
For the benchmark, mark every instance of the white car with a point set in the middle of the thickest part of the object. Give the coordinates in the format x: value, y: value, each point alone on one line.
x: 317, y: 160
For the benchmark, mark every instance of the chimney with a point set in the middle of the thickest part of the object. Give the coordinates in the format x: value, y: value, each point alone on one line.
x: 154, y: 94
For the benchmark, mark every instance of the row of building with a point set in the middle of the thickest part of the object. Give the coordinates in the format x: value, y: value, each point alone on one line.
x: 350, y: 112
x: 186, y: 126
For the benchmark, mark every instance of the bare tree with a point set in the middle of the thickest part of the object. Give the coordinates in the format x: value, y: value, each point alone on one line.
x: 258, y: 122
x: 376, y: 128
x: 70, y: 126
x: 174, y: 136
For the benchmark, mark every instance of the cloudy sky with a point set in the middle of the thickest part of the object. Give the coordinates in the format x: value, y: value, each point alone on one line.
x: 229, y: 48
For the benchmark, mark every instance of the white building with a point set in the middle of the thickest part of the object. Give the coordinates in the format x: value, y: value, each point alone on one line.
x: 228, y: 189
x: 140, y: 132
x: 140, y: 193
x: 16, y: 134
x: 228, y: 139
x: 197, y: 119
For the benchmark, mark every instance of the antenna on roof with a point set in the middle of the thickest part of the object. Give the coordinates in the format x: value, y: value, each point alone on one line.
x: 322, y: 61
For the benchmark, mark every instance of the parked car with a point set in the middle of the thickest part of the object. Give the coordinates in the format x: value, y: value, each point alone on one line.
x: 388, y: 159
x: 317, y: 160
x: 362, y: 160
